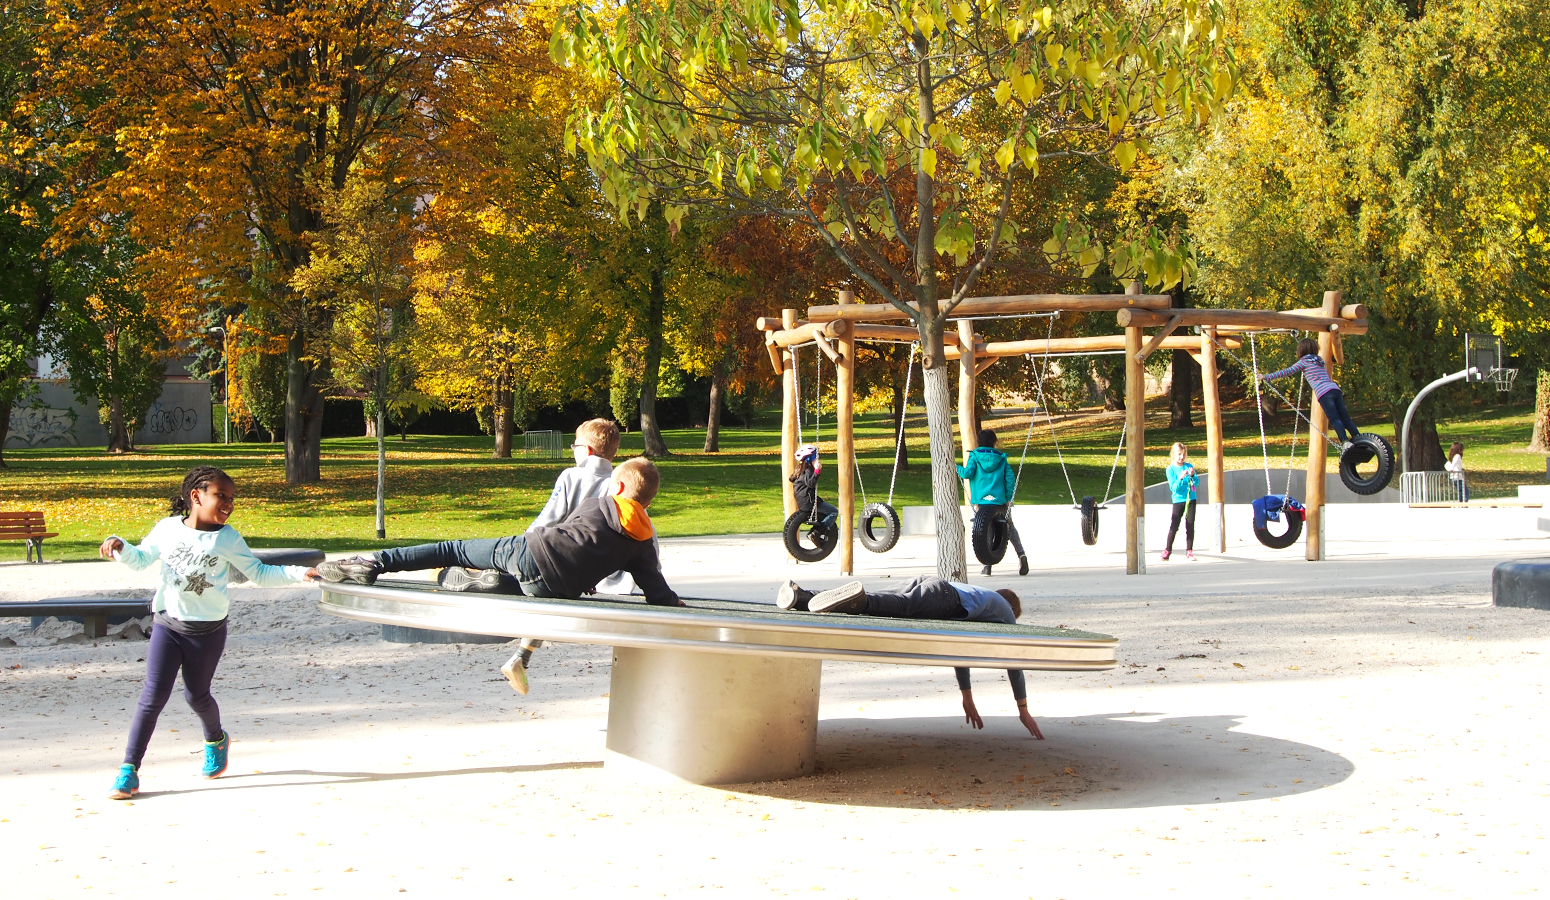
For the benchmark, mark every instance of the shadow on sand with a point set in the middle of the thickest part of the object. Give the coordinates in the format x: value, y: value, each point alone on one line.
x: 1109, y: 761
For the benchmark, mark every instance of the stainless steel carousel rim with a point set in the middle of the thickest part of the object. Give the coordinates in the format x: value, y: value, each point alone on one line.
x: 826, y: 638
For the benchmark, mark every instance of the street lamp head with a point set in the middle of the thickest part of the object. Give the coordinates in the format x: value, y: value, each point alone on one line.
x: 216, y: 329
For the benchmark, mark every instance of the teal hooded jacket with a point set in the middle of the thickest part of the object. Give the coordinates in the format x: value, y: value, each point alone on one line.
x: 990, y: 476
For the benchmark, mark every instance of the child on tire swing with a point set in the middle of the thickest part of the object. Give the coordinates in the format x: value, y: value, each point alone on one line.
x: 925, y: 597
x: 804, y: 483
x: 1329, y: 395
x: 991, y: 482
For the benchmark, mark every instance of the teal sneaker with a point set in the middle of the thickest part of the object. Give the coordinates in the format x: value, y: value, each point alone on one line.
x: 126, y: 785
x: 215, y: 756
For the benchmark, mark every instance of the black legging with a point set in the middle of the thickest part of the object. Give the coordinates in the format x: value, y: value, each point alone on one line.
x: 1185, y: 511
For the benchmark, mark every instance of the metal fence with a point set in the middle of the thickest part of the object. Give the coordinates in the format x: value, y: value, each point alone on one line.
x: 543, y: 444
x: 1428, y: 487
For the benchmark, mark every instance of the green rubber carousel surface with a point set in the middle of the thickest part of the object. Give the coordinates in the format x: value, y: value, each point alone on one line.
x: 768, y: 612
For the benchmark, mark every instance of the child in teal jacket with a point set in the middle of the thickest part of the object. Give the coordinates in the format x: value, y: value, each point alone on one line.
x: 991, y: 483
x: 1182, y: 482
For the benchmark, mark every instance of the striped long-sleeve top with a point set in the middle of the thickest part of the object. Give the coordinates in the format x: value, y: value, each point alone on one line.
x: 1312, y: 368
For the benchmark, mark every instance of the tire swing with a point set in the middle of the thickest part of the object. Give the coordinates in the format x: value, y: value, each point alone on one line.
x: 879, y: 525
x: 807, y: 537
x: 1272, y: 507
x: 1367, y: 449
x: 1089, y: 507
x: 990, y: 537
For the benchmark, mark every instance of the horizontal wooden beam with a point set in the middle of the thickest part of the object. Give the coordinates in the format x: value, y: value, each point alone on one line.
x: 998, y: 306
x: 1097, y: 344
x: 1353, y: 327
x: 1349, y: 311
x: 953, y: 351
x: 1237, y: 319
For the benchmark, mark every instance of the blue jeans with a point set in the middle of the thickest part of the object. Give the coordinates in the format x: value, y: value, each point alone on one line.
x: 507, y: 554
x: 1335, y: 411
x: 827, y: 512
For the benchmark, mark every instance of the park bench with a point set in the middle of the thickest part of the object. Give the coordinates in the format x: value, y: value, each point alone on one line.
x: 92, y: 611
x: 720, y: 692
x: 26, y: 526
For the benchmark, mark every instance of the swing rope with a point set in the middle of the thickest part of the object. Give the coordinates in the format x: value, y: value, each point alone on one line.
x: 904, y: 408
x: 1259, y: 407
x: 1115, y: 468
x: 1044, y: 402
x: 1291, y: 457
x: 796, y: 391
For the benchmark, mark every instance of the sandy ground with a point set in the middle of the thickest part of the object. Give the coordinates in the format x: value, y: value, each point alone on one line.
x: 1275, y: 726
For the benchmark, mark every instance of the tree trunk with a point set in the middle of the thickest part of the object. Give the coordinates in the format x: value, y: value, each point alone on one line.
x: 371, y: 426
x: 303, y: 415
x: 381, y: 435
x: 5, y: 430
x: 118, y: 439
x: 650, y: 428
x: 718, y: 379
x: 1183, y: 390
x: 1422, y: 451
x: 951, y: 562
x: 1540, y: 441
x: 503, y: 426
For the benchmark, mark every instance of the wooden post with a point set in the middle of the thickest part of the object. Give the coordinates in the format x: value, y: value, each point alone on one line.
x: 968, y: 426
x: 788, y: 421
x: 845, y: 441
x: 1215, y: 476
x: 1317, y: 446
x: 1135, y: 449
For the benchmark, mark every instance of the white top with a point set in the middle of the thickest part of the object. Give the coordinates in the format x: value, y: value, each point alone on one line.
x: 1455, y: 467
x: 196, y: 568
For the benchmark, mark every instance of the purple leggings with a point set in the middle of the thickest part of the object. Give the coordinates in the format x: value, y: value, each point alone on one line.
x: 197, y: 655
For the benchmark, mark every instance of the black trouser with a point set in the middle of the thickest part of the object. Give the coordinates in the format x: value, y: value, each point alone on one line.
x: 197, y: 656
x: 1186, y: 511
x: 929, y: 597
x: 998, y: 510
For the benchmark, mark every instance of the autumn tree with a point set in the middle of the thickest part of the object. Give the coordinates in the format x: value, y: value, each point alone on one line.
x: 226, y: 124
x: 878, y: 123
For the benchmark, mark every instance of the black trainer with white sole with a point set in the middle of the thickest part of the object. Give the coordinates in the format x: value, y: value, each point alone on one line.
x: 847, y: 598
x: 484, y: 581
x: 354, y: 569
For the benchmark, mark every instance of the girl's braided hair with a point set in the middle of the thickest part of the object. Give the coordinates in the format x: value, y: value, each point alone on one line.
x: 198, y: 477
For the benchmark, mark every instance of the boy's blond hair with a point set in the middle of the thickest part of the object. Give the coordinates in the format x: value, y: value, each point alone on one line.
x: 640, y: 479
x: 601, y: 435
x: 1013, y: 601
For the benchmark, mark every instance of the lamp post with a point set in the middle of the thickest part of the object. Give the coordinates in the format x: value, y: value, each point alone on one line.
x: 226, y: 376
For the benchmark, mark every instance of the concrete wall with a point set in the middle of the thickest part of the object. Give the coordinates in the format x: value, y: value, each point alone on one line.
x: 181, y: 415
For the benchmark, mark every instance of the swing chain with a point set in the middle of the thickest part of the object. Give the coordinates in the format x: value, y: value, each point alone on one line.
x: 1115, y: 468
x: 909, y: 374
x: 1272, y: 389
x: 1038, y: 382
x: 1259, y: 407
x: 1291, y: 457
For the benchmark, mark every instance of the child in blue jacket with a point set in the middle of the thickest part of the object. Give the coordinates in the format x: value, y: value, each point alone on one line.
x: 991, y: 483
x: 1182, y: 482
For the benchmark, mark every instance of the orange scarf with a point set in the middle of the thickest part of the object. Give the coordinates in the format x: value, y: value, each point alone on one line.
x: 633, y: 518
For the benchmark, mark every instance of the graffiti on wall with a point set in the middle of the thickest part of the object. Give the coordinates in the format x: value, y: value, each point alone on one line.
x: 170, y: 420
x: 42, y: 426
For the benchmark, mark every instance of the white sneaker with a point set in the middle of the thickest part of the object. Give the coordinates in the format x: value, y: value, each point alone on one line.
x: 516, y: 673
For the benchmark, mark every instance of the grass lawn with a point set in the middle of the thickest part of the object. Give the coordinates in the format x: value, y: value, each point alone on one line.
x: 449, y: 487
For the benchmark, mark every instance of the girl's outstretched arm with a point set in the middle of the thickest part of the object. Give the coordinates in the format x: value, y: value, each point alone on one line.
x: 136, y: 558
x: 234, y: 549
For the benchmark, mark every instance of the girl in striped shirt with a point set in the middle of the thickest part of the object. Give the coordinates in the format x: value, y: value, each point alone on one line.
x: 1324, y: 388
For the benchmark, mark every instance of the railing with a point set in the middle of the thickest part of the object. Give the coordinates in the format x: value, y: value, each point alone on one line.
x: 1428, y: 487
x: 543, y: 444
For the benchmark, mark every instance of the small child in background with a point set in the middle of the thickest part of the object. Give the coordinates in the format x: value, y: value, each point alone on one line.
x: 1182, y: 482
x: 1329, y: 395
x: 991, y: 483
x: 1455, y: 467
x: 804, y: 483
x: 198, y: 552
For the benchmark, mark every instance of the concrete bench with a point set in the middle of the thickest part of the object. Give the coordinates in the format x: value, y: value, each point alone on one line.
x: 92, y: 612
x: 720, y: 692
x: 1524, y: 584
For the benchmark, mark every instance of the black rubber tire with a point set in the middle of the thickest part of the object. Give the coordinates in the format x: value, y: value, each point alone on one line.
x: 1366, y: 448
x: 990, y: 539
x: 809, y: 542
x: 879, y: 539
x: 1089, y: 521
x: 1282, y: 541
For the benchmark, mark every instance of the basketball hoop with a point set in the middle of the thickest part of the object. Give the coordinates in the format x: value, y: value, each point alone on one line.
x: 1504, y: 379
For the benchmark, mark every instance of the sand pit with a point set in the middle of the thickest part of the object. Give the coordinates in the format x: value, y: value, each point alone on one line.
x: 1274, y: 726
